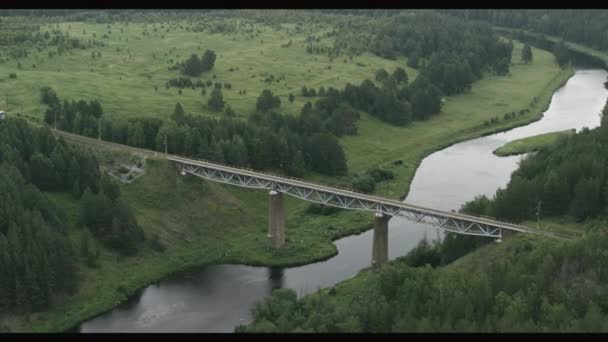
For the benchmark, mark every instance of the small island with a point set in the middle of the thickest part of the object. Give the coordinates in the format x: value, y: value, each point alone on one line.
x: 530, y: 144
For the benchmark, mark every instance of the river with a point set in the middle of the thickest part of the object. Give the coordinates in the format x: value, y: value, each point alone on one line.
x: 218, y: 298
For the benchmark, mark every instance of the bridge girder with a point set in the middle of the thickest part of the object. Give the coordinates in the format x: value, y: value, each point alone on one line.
x: 449, y: 224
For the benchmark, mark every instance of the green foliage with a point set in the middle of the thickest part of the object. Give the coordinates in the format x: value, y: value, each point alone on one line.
x: 526, y: 54
x: 37, y: 259
x: 266, y: 101
x: 399, y: 75
x: 587, y: 199
x: 561, y: 53
x: 156, y: 244
x: 195, y: 65
x: 364, y: 183
x: 326, y: 155
x: 111, y: 221
x: 321, y: 209
x: 381, y: 75
x: 216, y: 100
x: 582, y: 26
x: 424, y: 254
x: 49, y: 97
x: 513, y: 293
x: 458, y: 52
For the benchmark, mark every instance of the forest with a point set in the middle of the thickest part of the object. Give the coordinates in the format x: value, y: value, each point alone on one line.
x: 583, y: 26
x: 38, y: 260
x: 534, y: 287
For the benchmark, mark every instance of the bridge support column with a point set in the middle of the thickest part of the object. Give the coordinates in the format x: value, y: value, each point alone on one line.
x: 380, y: 244
x: 276, y: 219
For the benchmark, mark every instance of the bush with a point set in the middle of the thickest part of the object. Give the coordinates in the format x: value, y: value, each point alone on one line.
x: 423, y: 254
x: 12, y: 75
x: 156, y: 244
x: 364, y: 184
x: 380, y: 175
x: 320, y: 209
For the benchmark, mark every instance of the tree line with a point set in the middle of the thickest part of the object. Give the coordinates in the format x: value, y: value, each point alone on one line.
x: 395, y: 102
x: 587, y: 27
x: 266, y: 141
x: 455, y: 52
x: 80, y: 117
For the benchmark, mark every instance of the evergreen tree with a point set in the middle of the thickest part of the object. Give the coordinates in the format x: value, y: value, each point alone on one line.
x: 178, y: 114
x: 266, y: 101
x: 526, y: 54
x: 216, y: 100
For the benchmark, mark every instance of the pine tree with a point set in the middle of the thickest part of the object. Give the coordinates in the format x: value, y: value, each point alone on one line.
x: 526, y: 54
x: 178, y: 114
x: 216, y: 100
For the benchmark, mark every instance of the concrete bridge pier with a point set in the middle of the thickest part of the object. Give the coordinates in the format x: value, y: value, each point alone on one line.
x: 380, y: 244
x: 276, y: 219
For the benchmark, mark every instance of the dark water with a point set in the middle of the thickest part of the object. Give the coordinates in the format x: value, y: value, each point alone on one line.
x: 217, y: 298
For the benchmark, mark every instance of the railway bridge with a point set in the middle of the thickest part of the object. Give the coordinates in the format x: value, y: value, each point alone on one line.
x: 382, y: 208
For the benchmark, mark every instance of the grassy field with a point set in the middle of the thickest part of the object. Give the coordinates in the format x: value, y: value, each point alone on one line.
x: 132, y: 65
x: 204, y: 223
x: 530, y: 144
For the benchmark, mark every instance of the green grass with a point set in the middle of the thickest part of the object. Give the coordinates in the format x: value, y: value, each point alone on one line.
x: 530, y: 144
x: 124, y: 84
x: 204, y: 223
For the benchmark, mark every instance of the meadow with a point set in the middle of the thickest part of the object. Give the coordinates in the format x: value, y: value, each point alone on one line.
x: 129, y: 78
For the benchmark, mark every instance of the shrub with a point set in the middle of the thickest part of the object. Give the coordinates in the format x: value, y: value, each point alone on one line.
x: 156, y: 244
x: 380, y: 175
x: 364, y: 184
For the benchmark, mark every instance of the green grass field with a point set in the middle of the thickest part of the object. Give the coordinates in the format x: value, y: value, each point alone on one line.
x: 530, y: 144
x: 204, y: 223
x: 132, y: 65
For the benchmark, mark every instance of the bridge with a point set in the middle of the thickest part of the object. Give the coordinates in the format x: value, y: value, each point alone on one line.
x: 382, y: 208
